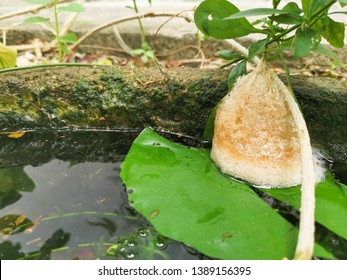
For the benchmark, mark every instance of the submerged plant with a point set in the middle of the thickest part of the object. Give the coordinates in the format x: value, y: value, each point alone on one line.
x: 62, y: 38
x: 277, y: 149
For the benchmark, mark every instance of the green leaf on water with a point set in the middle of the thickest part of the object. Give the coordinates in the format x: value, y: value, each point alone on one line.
x: 72, y: 8
x: 209, y: 18
x: 331, y: 203
x: 8, y: 57
x: 195, y: 204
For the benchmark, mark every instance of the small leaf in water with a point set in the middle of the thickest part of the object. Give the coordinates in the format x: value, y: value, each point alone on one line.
x: 12, y: 224
x: 16, y: 135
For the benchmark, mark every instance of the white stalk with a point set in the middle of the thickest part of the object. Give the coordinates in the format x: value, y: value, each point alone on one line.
x: 305, y: 245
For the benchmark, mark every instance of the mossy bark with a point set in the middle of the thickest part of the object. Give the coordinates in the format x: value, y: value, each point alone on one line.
x: 177, y: 100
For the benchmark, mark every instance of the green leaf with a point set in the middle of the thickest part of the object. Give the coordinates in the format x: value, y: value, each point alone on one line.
x: 237, y: 71
x: 256, y: 48
x: 306, y: 7
x: 331, y: 203
x: 293, y: 9
x: 258, y: 12
x: 306, y: 40
x: 39, y: 2
x: 72, y: 8
x: 343, y: 3
x: 32, y: 20
x: 334, y: 33
x: 69, y: 37
x: 209, y: 128
x: 195, y: 204
x: 229, y: 55
x: 182, y: 193
x: 318, y: 4
x: 8, y: 57
x: 13, y: 180
x: 137, y: 52
x: 13, y: 224
x: 322, y: 49
x: 209, y: 19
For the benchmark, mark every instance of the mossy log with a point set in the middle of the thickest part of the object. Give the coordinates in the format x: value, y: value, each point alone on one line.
x: 177, y: 100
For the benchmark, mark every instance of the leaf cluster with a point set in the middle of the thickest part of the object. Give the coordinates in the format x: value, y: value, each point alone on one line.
x: 53, y: 26
x: 292, y: 28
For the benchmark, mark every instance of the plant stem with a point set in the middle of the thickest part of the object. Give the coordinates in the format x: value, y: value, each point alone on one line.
x: 286, y: 69
x: 304, y: 247
x: 294, y: 27
x: 57, y: 32
x: 143, y: 38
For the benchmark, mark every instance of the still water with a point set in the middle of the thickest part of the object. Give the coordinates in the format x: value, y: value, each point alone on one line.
x: 61, y: 197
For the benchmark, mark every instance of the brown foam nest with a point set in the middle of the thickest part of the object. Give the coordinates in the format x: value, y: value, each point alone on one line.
x: 255, y: 137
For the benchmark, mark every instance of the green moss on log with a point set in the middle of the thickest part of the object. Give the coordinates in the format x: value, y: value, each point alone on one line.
x: 178, y: 100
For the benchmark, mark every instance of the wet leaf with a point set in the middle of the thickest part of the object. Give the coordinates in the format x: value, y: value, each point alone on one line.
x: 199, y: 206
x: 13, y: 181
x: 13, y: 224
x: 331, y: 203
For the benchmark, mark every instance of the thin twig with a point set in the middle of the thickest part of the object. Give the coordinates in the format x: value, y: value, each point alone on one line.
x: 30, y: 10
x: 117, y: 21
x: 174, y: 16
x: 120, y: 41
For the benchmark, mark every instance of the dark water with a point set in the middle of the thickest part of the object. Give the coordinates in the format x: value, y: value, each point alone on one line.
x: 61, y: 198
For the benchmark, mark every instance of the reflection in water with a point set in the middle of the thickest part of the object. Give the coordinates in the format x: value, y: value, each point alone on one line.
x: 70, y: 210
